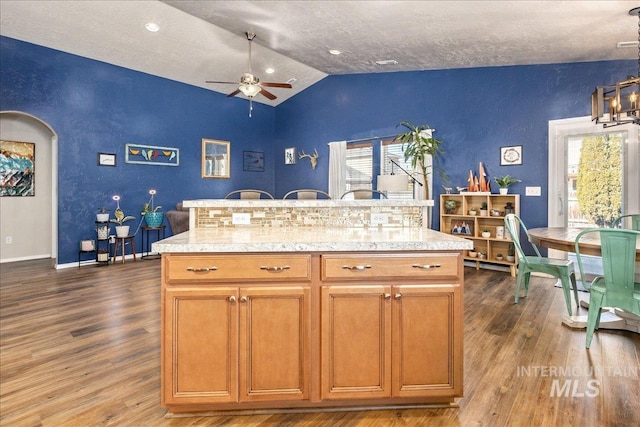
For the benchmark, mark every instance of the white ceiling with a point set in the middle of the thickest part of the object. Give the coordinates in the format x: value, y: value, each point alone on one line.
x: 204, y: 40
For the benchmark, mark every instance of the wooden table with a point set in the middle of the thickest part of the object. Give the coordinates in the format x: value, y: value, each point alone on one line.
x: 564, y: 239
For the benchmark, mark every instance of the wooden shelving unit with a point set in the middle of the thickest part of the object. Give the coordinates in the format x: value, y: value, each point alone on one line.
x: 461, y: 223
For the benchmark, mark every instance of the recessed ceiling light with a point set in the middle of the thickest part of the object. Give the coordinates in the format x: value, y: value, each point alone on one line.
x: 269, y: 70
x: 152, y: 26
x: 335, y: 52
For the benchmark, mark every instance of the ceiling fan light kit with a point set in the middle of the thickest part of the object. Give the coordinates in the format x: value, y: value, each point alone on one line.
x: 250, y: 85
x: 619, y: 103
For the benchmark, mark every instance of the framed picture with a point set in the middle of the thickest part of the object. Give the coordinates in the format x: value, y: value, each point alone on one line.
x: 511, y: 155
x: 151, y: 155
x: 17, y: 168
x: 253, y: 161
x: 106, y: 159
x: 216, y: 158
x: 290, y: 156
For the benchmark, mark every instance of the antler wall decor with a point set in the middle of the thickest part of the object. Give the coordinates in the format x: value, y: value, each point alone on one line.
x: 313, y: 158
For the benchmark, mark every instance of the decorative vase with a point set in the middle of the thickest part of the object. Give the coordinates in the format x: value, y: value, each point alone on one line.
x: 122, y: 230
x: 504, y: 190
x: 154, y: 219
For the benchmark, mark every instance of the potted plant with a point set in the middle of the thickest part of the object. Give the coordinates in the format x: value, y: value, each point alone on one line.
x: 152, y: 217
x: 486, y: 234
x: 504, y: 182
x: 450, y: 206
x: 102, y: 215
x: 418, y: 145
x: 483, y: 209
x: 120, y: 218
x: 473, y: 212
x: 499, y: 257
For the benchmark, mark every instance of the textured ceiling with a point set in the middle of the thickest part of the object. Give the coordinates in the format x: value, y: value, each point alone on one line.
x: 204, y: 40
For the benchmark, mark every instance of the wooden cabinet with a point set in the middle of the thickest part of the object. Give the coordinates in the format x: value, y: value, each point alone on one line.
x: 391, y: 341
x: 382, y: 339
x: 229, y: 344
x: 247, y: 331
x: 462, y: 221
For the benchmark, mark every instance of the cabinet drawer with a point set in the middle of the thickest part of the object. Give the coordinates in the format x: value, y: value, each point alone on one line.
x: 391, y: 266
x: 212, y: 268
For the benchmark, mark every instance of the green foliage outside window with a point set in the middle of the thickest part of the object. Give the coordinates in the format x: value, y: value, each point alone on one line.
x: 599, y: 183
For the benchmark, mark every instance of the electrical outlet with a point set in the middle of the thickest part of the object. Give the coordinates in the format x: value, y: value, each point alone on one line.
x: 379, y: 218
x: 241, y: 218
x: 532, y: 191
x: 8, y: 240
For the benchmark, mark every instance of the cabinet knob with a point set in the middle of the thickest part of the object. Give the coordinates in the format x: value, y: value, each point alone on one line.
x: 387, y: 296
x: 244, y: 299
x: 201, y: 269
x: 355, y: 267
x: 426, y: 266
x: 398, y: 296
x: 232, y: 298
x: 284, y: 267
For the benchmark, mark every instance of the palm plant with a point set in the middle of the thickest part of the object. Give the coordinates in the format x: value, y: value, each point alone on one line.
x: 418, y: 145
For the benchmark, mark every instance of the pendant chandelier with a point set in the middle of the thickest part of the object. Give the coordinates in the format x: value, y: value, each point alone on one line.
x: 619, y: 103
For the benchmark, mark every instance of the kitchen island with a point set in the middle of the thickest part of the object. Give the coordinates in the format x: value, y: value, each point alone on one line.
x: 352, y: 315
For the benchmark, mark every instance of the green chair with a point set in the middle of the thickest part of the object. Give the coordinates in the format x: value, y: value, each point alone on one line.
x: 616, y: 288
x: 635, y: 221
x: 559, y: 268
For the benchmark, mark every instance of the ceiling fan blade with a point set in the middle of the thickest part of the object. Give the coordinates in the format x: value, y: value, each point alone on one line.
x: 234, y: 93
x: 226, y: 83
x: 267, y: 94
x: 283, y: 85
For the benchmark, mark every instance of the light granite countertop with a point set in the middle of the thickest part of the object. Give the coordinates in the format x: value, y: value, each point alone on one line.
x: 307, y: 239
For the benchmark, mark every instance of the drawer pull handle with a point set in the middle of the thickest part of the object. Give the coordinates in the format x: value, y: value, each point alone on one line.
x: 426, y: 266
x: 232, y: 298
x: 356, y: 267
x: 387, y: 296
x: 284, y: 267
x: 244, y: 299
x: 398, y: 296
x: 200, y: 269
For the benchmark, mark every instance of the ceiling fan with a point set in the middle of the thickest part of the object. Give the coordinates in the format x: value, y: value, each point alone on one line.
x: 251, y: 85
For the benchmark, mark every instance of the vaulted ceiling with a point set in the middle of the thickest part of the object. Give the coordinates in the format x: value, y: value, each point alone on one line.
x: 204, y: 40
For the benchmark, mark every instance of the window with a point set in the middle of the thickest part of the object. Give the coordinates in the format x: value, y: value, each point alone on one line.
x: 359, y: 166
x: 392, y: 150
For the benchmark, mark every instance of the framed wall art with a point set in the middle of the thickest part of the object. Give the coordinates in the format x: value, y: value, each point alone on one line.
x: 511, y: 155
x: 151, y: 155
x: 253, y: 161
x: 216, y: 158
x: 17, y: 168
x: 106, y: 159
x: 290, y: 156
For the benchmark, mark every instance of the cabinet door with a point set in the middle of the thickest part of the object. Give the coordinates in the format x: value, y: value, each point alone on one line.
x: 275, y: 339
x: 201, y: 345
x: 356, y: 342
x: 427, y: 340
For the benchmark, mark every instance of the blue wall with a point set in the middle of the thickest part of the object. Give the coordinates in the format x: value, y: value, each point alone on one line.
x: 96, y: 107
x: 474, y: 111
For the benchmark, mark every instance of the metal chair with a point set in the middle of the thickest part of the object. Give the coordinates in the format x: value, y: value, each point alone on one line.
x: 362, y: 193
x: 559, y: 268
x: 307, y: 194
x: 249, y: 194
x: 616, y: 288
x: 635, y: 221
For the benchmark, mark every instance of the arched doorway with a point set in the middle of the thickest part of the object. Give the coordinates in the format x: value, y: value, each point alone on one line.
x: 25, y: 221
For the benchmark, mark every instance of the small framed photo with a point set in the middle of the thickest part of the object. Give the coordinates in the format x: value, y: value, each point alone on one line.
x: 253, y: 161
x: 106, y: 159
x: 511, y: 155
x: 290, y: 156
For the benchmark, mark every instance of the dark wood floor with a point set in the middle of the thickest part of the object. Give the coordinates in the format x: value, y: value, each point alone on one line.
x: 80, y: 347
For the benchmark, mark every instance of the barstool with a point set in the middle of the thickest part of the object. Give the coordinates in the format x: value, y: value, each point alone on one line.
x: 121, y: 241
